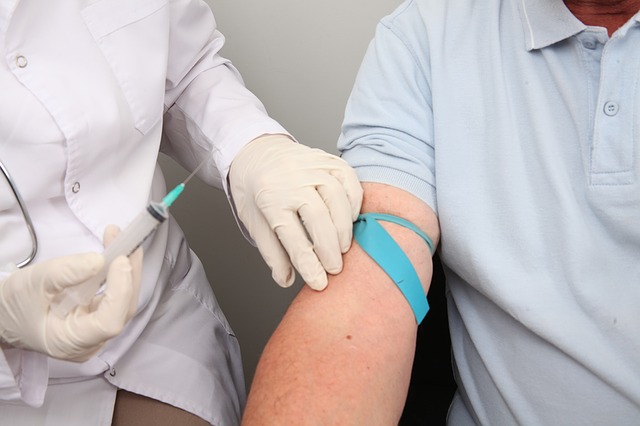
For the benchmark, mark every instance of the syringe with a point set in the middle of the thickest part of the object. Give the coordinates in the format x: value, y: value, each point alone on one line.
x: 124, y: 244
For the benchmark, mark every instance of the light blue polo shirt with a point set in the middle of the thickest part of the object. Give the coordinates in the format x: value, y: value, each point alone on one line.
x: 520, y: 127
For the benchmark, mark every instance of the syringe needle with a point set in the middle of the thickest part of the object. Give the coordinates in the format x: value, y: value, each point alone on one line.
x: 193, y: 173
x: 175, y: 192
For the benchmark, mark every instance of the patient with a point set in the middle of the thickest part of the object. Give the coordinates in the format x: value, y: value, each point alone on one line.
x: 504, y: 132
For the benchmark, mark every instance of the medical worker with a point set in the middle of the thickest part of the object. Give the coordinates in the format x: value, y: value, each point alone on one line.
x: 90, y: 92
x: 506, y: 130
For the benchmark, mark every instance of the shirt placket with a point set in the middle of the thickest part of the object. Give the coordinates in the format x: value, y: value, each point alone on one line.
x: 612, y: 149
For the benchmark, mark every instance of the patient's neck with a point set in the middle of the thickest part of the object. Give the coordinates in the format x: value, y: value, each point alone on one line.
x: 611, y: 14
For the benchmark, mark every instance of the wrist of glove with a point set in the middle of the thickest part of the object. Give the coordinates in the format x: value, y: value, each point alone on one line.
x: 26, y: 297
x: 298, y: 204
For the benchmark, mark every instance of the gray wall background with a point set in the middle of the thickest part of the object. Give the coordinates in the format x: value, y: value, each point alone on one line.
x: 300, y: 58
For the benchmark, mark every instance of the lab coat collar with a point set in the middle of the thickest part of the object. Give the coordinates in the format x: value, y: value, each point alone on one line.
x: 7, y: 7
x: 545, y: 22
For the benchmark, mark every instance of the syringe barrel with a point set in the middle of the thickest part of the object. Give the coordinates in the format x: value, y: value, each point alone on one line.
x: 124, y: 244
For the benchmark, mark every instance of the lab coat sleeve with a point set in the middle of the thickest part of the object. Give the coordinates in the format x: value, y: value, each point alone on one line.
x: 23, y: 375
x: 209, y: 113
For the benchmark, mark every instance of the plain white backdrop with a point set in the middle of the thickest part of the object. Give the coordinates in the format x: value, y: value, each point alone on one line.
x: 300, y: 58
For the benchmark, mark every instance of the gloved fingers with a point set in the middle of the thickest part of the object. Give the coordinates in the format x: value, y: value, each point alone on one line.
x: 293, y: 238
x: 66, y: 337
x: 274, y: 181
x: 95, y: 302
x: 57, y: 274
x: 108, y: 317
x: 307, y: 230
x: 273, y: 253
x: 351, y: 184
x: 110, y: 233
x: 65, y: 343
x: 340, y: 170
x: 85, y: 354
x: 320, y: 229
x: 337, y: 203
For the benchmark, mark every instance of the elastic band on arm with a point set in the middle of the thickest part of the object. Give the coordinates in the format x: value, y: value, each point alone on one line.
x: 383, y: 249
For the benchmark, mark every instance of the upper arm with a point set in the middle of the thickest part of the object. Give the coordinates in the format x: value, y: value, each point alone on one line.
x: 344, y: 355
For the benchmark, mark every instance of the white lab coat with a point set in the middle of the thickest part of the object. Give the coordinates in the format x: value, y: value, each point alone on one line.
x: 91, y: 91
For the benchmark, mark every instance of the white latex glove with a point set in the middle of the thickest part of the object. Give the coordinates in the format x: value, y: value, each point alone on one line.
x: 298, y: 204
x: 26, y: 296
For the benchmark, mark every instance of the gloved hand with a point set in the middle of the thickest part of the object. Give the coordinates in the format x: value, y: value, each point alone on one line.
x: 26, y: 296
x: 297, y: 203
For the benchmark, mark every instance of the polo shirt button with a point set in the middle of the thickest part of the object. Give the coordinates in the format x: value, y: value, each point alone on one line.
x: 76, y: 187
x: 611, y: 108
x: 589, y: 44
x: 21, y: 61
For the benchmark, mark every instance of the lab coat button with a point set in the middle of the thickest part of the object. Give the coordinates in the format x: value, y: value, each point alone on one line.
x: 21, y: 61
x: 112, y: 373
x: 75, y: 188
x: 611, y: 108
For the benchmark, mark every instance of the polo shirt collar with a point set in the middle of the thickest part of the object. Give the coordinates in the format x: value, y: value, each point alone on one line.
x: 545, y: 22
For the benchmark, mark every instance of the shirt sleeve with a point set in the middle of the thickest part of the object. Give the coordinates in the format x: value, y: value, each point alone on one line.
x: 209, y: 113
x: 387, y: 133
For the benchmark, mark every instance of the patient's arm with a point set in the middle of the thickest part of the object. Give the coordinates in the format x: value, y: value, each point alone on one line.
x: 344, y: 355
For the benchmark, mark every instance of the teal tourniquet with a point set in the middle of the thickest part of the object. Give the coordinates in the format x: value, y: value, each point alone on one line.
x: 379, y: 245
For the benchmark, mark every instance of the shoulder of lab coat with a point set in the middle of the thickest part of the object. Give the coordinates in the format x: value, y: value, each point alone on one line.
x: 209, y: 112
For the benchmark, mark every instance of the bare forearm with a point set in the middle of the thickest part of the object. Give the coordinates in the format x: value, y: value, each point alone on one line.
x: 341, y: 368
x: 344, y: 355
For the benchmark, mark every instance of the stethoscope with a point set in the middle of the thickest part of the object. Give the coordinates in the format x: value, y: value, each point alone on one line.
x: 25, y: 214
